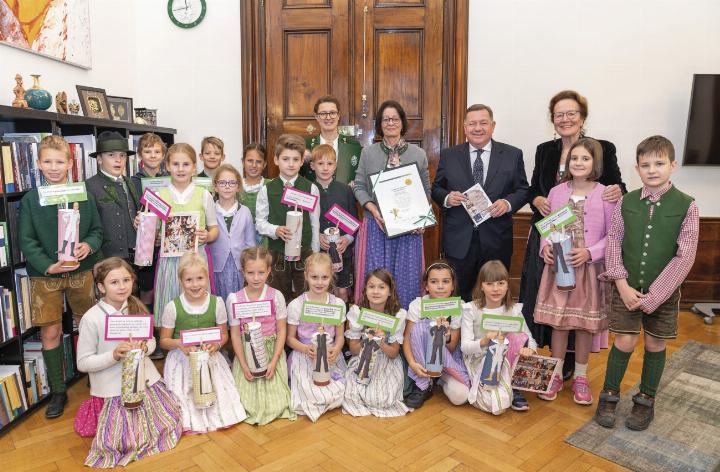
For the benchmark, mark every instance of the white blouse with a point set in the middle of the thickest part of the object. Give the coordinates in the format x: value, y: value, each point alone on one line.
x: 355, y: 329
x: 170, y: 314
x: 471, y: 332
x: 279, y: 303
x: 413, y: 313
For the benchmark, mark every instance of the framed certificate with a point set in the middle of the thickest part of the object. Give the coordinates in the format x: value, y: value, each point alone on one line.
x: 402, y: 201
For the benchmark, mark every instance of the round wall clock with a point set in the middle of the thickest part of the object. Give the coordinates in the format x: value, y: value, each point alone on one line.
x: 186, y: 13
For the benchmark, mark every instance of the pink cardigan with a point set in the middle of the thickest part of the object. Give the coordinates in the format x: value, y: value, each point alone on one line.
x: 597, y: 217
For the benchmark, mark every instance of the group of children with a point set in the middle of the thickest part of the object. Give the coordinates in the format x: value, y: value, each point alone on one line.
x: 646, y: 245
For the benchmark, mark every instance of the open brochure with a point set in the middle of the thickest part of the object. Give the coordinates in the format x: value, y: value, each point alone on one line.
x: 477, y: 204
x: 535, y: 373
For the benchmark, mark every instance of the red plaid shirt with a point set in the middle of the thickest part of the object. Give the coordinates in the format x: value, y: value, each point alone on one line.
x: 674, y: 273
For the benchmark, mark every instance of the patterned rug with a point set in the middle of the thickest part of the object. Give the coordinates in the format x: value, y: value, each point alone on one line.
x: 685, y: 435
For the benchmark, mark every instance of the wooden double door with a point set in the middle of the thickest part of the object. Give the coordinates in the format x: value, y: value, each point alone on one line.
x: 362, y: 52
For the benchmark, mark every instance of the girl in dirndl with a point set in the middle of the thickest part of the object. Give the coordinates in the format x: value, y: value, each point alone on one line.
x: 195, y: 308
x: 584, y: 307
x: 308, y: 398
x: 121, y: 435
x: 492, y: 295
x: 382, y: 396
x: 264, y: 398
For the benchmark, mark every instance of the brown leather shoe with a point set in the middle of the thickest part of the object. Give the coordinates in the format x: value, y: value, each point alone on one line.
x: 642, y: 413
x: 605, y: 413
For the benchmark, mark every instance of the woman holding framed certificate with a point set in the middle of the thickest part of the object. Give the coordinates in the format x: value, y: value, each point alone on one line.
x: 401, y: 255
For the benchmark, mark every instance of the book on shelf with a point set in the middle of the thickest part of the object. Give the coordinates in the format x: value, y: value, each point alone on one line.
x: 12, y: 394
x: 4, y: 246
x: 87, y: 143
x: 22, y: 294
x: 13, y: 219
x: 33, y: 356
x: 7, y: 313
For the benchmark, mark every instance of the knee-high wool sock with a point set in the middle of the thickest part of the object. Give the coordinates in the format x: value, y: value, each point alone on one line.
x: 616, y: 366
x: 653, y: 366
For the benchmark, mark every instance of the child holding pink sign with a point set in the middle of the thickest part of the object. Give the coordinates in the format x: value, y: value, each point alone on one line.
x: 196, y: 309
x: 265, y: 397
x: 335, y: 236
x: 122, y: 435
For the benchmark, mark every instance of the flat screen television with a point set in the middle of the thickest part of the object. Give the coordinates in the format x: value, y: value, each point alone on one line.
x: 702, y: 142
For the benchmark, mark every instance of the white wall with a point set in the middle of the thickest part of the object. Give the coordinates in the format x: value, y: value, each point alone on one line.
x: 191, y: 76
x: 634, y: 62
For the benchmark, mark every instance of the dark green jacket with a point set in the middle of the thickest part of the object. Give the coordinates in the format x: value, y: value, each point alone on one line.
x: 39, y: 234
x: 277, y: 213
x: 349, y: 150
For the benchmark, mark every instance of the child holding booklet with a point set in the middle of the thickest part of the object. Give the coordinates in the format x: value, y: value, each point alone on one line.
x: 439, y: 280
x: 195, y: 308
x: 121, y: 435
x: 184, y: 196
x: 308, y: 398
x: 492, y: 295
x: 582, y: 308
x: 382, y: 396
x: 265, y: 398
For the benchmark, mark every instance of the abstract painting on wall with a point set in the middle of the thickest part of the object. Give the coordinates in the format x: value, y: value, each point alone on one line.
x: 58, y: 29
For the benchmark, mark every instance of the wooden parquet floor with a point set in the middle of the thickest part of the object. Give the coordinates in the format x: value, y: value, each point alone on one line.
x: 437, y: 437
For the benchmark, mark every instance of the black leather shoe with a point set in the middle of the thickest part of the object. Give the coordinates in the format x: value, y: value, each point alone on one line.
x: 642, y: 413
x: 417, y: 397
x: 568, y: 366
x: 56, y: 406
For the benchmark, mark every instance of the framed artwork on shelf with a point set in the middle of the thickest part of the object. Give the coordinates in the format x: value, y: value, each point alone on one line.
x: 94, y: 102
x: 121, y: 108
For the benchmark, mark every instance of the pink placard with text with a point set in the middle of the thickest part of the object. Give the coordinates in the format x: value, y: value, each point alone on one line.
x: 297, y: 198
x: 194, y: 337
x: 156, y: 204
x: 344, y: 220
x: 124, y: 327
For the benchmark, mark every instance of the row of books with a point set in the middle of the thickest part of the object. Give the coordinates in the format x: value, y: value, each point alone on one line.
x: 13, y: 227
x: 19, y: 161
x: 13, y: 402
x: 7, y: 313
x: 4, y: 245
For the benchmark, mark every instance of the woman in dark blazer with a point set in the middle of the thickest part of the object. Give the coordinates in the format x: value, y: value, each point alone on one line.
x: 568, y: 112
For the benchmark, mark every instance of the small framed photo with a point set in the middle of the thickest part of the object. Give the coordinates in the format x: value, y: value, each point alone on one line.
x: 94, y: 102
x: 121, y: 108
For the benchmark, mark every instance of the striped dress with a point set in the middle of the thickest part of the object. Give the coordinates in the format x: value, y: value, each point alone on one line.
x: 383, y: 395
x: 307, y: 398
x: 264, y: 399
x: 227, y: 410
x: 453, y: 364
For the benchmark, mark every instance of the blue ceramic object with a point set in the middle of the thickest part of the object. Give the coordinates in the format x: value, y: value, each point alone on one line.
x: 36, y: 97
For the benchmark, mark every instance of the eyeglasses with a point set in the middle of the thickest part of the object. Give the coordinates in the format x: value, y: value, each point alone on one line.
x: 227, y: 183
x: 391, y: 121
x: 328, y: 114
x: 570, y: 115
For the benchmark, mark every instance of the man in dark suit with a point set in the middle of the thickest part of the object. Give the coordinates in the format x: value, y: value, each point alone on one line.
x: 500, y: 170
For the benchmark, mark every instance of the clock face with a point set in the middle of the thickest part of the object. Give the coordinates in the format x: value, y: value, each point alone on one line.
x: 186, y: 13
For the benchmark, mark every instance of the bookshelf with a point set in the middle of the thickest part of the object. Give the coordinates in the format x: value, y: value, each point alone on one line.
x: 73, y: 127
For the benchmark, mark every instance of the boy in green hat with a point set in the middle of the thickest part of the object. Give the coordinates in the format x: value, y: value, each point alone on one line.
x: 49, y: 280
x: 116, y: 195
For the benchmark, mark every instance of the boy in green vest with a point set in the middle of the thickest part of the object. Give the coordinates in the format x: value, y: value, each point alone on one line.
x: 270, y: 215
x: 49, y: 280
x: 651, y: 247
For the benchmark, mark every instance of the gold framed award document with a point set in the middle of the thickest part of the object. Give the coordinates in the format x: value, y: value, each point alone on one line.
x: 402, y: 201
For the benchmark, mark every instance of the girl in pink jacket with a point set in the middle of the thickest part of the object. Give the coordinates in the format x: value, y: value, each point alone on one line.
x: 581, y: 308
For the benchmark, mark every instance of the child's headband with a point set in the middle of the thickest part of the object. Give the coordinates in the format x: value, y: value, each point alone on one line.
x: 439, y: 265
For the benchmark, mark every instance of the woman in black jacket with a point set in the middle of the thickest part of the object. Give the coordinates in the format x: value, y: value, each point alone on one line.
x: 568, y: 112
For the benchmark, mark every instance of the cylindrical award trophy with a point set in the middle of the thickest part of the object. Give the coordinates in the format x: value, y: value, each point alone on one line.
x: 564, y: 271
x: 202, y: 387
x: 133, y: 379
x: 255, y: 354
x: 294, y: 221
x: 145, y: 239
x: 435, y: 347
x: 321, y: 372
x: 333, y: 234
x: 68, y: 235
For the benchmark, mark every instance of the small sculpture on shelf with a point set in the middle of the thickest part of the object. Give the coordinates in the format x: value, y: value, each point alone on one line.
x: 74, y: 107
x: 61, y: 103
x: 19, y: 92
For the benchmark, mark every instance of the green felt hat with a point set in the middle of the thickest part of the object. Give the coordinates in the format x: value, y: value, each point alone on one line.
x: 110, y: 141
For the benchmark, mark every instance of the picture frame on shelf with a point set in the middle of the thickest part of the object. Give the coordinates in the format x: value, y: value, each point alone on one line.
x: 121, y: 108
x: 94, y: 102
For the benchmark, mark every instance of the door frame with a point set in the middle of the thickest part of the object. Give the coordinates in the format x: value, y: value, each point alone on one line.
x: 455, y: 59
